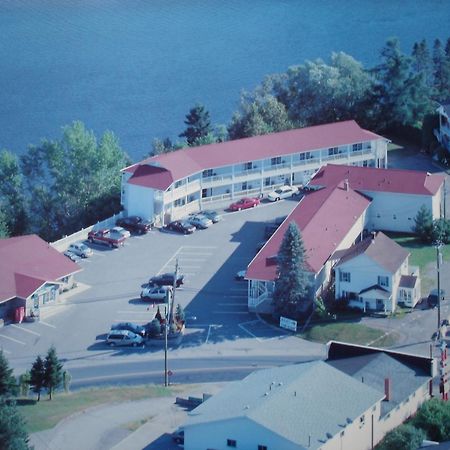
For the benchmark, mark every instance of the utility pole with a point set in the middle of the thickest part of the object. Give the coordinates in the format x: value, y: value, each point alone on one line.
x: 166, y: 326
x: 438, y: 265
x: 168, y: 309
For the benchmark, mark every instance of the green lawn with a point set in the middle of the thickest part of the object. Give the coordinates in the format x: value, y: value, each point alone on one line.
x: 46, y: 414
x: 354, y: 333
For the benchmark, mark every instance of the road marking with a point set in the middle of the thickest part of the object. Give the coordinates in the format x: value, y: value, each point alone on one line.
x: 199, y: 246
x: 47, y: 324
x: 171, y: 258
x: 189, y: 267
x: 207, y: 336
x: 12, y: 339
x: 241, y: 326
x: 24, y: 329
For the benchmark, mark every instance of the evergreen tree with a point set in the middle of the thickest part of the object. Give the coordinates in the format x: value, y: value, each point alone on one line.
x: 179, y: 315
x: 53, y: 373
x: 441, y: 64
x: 37, y: 376
x: 13, y: 435
x: 198, y: 124
x: 441, y: 230
x: 422, y: 62
x: 4, y: 230
x: 162, y: 146
x: 423, y: 224
x: 8, y: 385
x: 292, y: 283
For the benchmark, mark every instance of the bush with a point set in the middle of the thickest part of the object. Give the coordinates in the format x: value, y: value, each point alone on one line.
x: 405, y: 437
x: 154, y: 328
x: 434, y: 418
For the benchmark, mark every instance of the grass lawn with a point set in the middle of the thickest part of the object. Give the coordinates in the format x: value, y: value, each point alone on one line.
x: 354, y: 333
x: 46, y: 414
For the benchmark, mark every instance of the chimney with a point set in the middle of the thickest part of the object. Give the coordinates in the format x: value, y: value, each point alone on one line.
x: 387, y: 389
x: 346, y: 184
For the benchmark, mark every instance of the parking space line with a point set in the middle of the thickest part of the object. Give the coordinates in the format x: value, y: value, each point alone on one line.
x: 47, y: 324
x: 199, y: 246
x: 133, y: 312
x: 189, y: 267
x: 24, y: 329
x: 241, y: 326
x: 12, y: 339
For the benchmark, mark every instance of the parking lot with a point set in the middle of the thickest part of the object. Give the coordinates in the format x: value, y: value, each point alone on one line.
x: 109, y: 291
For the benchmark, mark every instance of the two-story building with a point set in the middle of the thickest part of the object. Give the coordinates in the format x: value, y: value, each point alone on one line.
x: 169, y: 186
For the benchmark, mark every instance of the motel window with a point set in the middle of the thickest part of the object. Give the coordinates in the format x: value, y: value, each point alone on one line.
x: 275, y: 161
x: 248, y: 165
x: 204, y: 193
x: 333, y: 151
x: 231, y: 443
x: 179, y: 202
x: 267, y: 182
x: 383, y: 281
x: 178, y: 183
x: 207, y: 173
x: 244, y: 186
x: 262, y: 447
x: 345, y: 277
x: 306, y: 155
x: 357, y: 147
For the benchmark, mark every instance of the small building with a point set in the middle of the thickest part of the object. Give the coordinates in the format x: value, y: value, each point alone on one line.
x: 443, y: 132
x: 169, y: 186
x: 32, y: 274
x: 350, y: 401
x: 374, y: 275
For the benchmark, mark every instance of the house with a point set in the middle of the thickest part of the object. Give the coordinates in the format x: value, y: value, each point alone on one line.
x: 443, y: 132
x: 169, y: 186
x: 32, y: 274
x: 374, y: 274
x: 349, y: 401
x: 346, y: 203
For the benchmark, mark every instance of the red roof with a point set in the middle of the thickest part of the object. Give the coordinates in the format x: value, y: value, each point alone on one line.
x: 27, y: 262
x: 324, y: 218
x: 184, y: 162
x: 381, y: 180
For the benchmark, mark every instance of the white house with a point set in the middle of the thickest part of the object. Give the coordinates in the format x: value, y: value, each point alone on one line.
x: 374, y: 275
x: 349, y: 402
x: 169, y: 186
x: 443, y: 132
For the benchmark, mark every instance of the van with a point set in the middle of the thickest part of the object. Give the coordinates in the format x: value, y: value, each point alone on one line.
x: 123, y: 337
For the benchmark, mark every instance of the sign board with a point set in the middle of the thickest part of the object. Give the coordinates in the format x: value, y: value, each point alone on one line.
x: 288, y: 324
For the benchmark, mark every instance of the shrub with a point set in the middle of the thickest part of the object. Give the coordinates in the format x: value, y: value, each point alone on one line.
x: 405, y: 437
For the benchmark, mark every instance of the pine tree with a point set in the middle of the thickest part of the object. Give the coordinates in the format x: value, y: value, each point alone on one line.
x: 441, y: 63
x: 37, y: 376
x: 421, y: 61
x: 7, y: 381
x: 423, y: 224
x: 53, y: 371
x: 198, y: 125
x: 12, y: 427
x: 292, y: 284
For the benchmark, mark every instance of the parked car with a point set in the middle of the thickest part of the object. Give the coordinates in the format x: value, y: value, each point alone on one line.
x: 129, y: 326
x: 166, y: 279
x: 120, y: 231
x: 135, y: 224
x: 181, y: 226
x: 71, y: 255
x: 200, y: 222
x: 105, y: 237
x: 80, y: 249
x: 213, y: 215
x: 282, y: 192
x: 244, y: 203
x: 433, y: 297
x: 240, y: 275
x: 156, y: 293
x: 124, y: 337
x: 178, y: 436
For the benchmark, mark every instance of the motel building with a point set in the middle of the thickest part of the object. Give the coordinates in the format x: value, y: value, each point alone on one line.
x: 170, y: 186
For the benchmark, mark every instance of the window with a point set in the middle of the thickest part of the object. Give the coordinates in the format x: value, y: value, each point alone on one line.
x: 204, y: 193
x: 362, y: 420
x: 345, y: 277
x: 178, y: 184
x: 248, y: 166
x: 207, y: 173
x: 267, y: 182
x: 333, y: 151
x: 244, y: 186
x: 357, y: 147
x: 262, y: 447
x: 275, y: 161
x: 306, y: 155
x: 231, y: 443
x: 179, y: 202
x: 383, y: 281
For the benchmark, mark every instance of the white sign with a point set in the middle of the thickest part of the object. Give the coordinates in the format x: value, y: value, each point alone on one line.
x: 289, y: 324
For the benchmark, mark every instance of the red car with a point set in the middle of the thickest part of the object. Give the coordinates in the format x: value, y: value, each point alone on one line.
x: 244, y: 203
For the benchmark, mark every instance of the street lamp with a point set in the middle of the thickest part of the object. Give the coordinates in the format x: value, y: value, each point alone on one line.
x: 438, y: 246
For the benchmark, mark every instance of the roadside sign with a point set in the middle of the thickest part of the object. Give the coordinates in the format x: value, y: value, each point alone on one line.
x: 288, y: 324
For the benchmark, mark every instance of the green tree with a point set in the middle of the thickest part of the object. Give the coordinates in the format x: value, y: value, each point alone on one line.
x: 67, y: 379
x: 403, y: 95
x: 291, y: 285
x: 154, y: 328
x: 405, y: 437
x: 53, y: 373
x: 12, y: 203
x: 8, y: 385
x: 73, y: 182
x: 433, y: 417
x: 198, y: 124
x: 4, y: 231
x: 24, y: 384
x: 441, y: 65
x: 13, y: 435
x: 37, y: 376
x: 441, y: 230
x: 160, y: 146
x: 422, y: 62
x: 423, y: 224
x: 179, y: 314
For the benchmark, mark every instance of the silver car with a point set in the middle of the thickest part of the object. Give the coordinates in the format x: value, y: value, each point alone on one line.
x: 200, y: 222
x: 156, y: 293
x: 80, y: 249
x: 123, y: 337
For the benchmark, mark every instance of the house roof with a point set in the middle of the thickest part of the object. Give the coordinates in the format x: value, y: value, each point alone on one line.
x: 408, y: 281
x: 298, y: 402
x: 324, y: 218
x: 188, y: 161
x: 27, y: 262
x: 378, y: 290
x: 381, y: 249
x: 369, y: 179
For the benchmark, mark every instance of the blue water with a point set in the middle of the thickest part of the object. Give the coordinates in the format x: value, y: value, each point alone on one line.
x: 137, y: 66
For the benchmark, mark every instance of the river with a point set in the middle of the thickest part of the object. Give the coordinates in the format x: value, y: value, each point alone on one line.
x: 136, y: 67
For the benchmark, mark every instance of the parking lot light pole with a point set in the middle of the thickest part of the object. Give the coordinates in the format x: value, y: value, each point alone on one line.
x: 166, y: 326
x: 438, y: 246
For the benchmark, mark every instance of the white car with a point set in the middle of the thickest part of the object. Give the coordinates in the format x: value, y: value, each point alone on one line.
x: 120, y: 231
x: 156, y: 293
x: 200, y: 222
x: 282, y: 192
x: 80, y: 249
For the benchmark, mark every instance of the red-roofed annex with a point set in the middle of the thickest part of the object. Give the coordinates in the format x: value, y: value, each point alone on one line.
x: 169, y: 186
x: 32, y: 274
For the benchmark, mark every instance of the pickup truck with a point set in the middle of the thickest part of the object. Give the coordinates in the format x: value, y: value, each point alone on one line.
x: 105, y: 237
